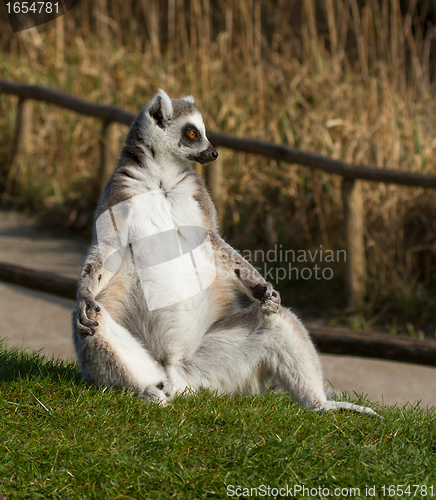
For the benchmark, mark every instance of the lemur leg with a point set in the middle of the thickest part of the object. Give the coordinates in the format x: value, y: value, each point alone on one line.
x: 298, y: 366
x: 273, y: 347
x: 107, y: 353
x: 113, y: 357
x: 254, y: 349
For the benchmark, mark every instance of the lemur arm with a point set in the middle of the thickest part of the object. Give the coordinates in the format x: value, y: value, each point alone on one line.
x: 246, y: 278
x: 93, y: 278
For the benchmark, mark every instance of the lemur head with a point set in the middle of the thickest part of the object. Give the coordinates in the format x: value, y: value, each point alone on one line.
x: 173, y: 127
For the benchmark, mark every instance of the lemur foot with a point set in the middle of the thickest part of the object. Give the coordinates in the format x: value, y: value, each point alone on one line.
x: 162, y: 393
x: 342, y: 405
x: 269, y: 298
x: 84, y: 314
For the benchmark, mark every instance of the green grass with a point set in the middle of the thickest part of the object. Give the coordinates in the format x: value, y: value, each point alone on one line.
x: 60, y: 438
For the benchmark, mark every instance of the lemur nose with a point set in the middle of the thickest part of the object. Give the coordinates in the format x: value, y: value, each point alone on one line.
x: 214, y: 154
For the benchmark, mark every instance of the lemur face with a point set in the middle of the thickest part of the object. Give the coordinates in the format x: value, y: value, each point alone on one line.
x: 180, y: 128
x: 194, y: 141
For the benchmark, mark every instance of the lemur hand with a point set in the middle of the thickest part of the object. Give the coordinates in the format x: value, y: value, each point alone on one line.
x: 86, y: 310
x: 269, y: 298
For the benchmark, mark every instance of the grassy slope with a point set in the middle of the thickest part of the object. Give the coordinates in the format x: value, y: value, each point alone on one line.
x: 61, y: 438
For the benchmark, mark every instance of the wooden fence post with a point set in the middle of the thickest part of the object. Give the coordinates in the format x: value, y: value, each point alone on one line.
x: 22, y: 144
x: 214, y: 181
x: 108, y: 154
x: 355, y: 244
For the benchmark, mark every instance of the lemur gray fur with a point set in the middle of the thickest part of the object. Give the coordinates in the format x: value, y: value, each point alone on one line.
x: 210, y: 340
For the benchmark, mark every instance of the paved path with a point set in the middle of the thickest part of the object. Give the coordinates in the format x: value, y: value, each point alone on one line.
x: 30, y: 318
x: 40, y: 321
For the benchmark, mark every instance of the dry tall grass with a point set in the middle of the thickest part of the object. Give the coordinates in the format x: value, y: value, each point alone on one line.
x: 350, y: 79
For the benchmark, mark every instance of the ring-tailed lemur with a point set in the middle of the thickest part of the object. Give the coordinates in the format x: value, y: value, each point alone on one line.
x: 159, y: 304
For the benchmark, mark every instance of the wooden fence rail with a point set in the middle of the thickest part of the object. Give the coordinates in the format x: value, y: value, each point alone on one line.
x: 329, y: 340
x: 351, y: 174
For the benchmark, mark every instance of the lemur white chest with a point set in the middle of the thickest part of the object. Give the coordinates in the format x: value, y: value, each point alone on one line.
x: 166, y: 200
x: 161, y: 233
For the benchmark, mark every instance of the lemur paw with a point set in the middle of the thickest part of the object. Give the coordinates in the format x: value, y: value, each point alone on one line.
x: 269, y: 298
x: 162, y: 393
x: 84, y: 314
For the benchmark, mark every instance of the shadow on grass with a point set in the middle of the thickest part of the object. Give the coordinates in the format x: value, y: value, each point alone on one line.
x: 20, y: 364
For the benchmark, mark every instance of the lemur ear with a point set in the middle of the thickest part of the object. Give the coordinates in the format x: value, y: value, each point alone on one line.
x: 189, y: 98
x: 161, y: 108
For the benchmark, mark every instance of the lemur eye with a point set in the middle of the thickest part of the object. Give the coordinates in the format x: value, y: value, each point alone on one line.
x: 192, y: 134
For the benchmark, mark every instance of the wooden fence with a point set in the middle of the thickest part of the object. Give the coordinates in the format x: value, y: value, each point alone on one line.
x: 328, y: 340
x: 351, y: 174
